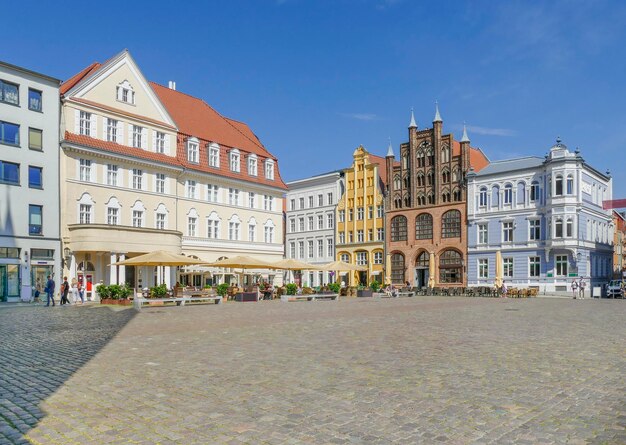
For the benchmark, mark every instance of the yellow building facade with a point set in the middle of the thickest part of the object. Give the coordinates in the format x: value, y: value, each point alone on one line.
x: 360, y: 219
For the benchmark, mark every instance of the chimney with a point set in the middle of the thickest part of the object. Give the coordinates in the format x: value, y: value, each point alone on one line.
x: 171, y: 85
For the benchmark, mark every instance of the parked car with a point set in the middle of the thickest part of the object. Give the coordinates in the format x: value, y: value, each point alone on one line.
x: 615, y: 289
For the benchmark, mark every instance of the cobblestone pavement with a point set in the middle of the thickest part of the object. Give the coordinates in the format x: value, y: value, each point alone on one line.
x: 361, y: 371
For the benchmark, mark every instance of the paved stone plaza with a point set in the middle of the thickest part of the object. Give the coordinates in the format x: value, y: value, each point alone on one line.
x: 360, y: 371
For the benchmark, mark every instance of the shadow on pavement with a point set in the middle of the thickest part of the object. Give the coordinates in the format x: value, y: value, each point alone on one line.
x: 40, y: 349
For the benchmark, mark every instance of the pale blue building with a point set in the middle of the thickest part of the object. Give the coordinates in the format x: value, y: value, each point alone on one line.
x: 545, y: 216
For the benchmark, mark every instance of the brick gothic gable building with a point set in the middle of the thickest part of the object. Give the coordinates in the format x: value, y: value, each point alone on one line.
x: 426, y: 206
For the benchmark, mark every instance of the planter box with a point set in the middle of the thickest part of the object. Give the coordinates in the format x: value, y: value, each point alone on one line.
x: 246, y: 296
x: 365, y: 293
x: 125, y: 302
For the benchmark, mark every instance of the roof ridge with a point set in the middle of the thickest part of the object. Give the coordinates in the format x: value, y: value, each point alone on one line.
x: 78, y: 77
x: 179, y: 92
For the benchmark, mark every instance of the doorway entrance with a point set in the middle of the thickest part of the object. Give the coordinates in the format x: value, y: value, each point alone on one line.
x: 422, y: 272
x: 9, y: 281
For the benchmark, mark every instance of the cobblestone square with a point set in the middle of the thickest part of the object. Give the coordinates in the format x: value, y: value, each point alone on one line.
x: 358, y: 371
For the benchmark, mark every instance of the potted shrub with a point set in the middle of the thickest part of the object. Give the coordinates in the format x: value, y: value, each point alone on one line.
x: 291, y: 288
x: 363, y: 291
x: 375, y: 286
x: 334, y: 287
x: 159, y: 291
x: 222, y: 290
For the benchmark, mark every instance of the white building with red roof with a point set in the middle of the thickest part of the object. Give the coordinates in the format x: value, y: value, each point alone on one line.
x: 146, y: 167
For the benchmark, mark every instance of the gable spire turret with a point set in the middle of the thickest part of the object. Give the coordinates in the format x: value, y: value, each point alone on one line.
x: 465, y: 138
x: 390, y: 150
x: 437, y: 115
x: 412, y: 124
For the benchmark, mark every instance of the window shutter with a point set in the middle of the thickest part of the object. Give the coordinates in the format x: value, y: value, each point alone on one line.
x: 167, y: 144
x: 76, y: 121
x: 154, y: 143
x: 120, y: 132
x: 94, y: 126
x: 130, y: 135
x: 144, y: 138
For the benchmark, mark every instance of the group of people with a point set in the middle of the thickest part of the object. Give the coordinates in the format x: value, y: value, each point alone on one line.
x: 578, y: 289
x: 76, y: 289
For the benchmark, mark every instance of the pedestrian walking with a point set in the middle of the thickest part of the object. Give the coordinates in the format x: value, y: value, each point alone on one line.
x: 49, y: 289
x: 504, y: 289
x: 574, y: 288
x: 65, y: 290
x: 81, y: 291
x: 74, y: 290
x: 581, y: 288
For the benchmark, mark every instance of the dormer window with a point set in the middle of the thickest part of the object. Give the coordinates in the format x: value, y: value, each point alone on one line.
x: 252, y: 165
x: 125, y: 93
x: 193, y: 151
x: 214, y: 155
x: 269, y: 169
x: 234, y: 160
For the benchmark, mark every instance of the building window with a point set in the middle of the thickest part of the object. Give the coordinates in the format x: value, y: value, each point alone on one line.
x: 310, y: 249
x: 137, y: 178
x: 451, y: 224
x: 9, y: 172
x: 213, y: 228
x: 380, y: 234
x: 329, y: 198
x: 9, y: 93
x: 35, y: 177
x: 191, y: 189
x: 269, y: 169
x: 370, y: 235
x: 558, y: 186
x: 301, y: 224
x: 535, y: 229
x: 252, y: 165
x: 160, y: 221
x: 137, y: 136
x: 561, y: 265
x: 300, y: 249
x: 424, y: 226
x: 345, y: 258
x: 507, y: 232
x: 507, y: 267
x: 234, y: 160
x: 398, y: 228
x: 268, y: 203
x: 293, y: 204
x: 233, y: 196
x: 310, y: 220
x: 482, y: 234
x: 558, y: 228
x: 233, y: 230
x: 570, y: 185
x: 112, y: 216
x: 320, y: 222
x: 35, y: 219
x: 84, y: 123
x: 378, y: 257
x: 508, y: 194
x: 292, y: 250
x: 342, y: 216
x: 193, y: 152
x: 35, y: 139
x: 9, y: 133
x: 320, y: 200
x: 350, y: 236
x: 569, y: 228
x: 214, y: 156
x: 251, y: 199
x: 342, y: 237
x: 450, y: 267
x: 483, y: 268
x: 533, y: 266
x: 359, y: 236
x: 482, y: 197
x: 34, y: 100
x: 112, y: 130
x: 350, y: 214
x: 211, y: 193
x: 361, y: 258
x: 379, y: 211
x: 159, y: 142
x: 160, y: 183
x: 125, y: 93
x: 137, y: 218
x: 397, y: 268
x: 330, y: 247
x: 495, y: 196
x: 292, y: 225
x: 320, y: 248
x: 360, y: 212
x: 84, y: 214
x: 301, y: 200
x: 85, y: 170
x: 191, y: 226
x: 534, y: 191
x: 370, y: 212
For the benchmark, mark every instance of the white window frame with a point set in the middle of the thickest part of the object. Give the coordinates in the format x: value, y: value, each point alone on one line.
x: 531, y: 266
x: 234, y: 160
x: 193, y: 151
x: 483, y: 233
x: 214, y: 155
x: 112, y: 175
x: 253, y: 165
x: 507, y: 267
x: 84, y: 170
x: 269, y: 169
x: 483, y: 268
x: 159, y: 183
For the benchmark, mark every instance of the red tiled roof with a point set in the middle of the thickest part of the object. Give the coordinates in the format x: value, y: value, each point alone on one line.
x: 117, y: 110
x: 69, y: 83
x: 382, y: 167
x: 196, y: 118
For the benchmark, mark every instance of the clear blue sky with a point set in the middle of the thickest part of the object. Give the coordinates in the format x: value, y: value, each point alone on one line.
x: 314, y: 79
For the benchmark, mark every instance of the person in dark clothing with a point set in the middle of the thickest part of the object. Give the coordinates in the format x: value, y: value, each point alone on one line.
x: 65, y: 289
x: 49, y: 289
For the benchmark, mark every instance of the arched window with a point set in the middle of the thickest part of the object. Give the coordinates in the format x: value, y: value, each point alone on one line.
x: 85, y: 209
x: 407, y: 181
x: 431, y: 198
x: 138, y: 211
x: 445, y: 154
x: 344, y: 258
x: 430, y: 177
x: 558, y: 186
x: 456, y: 195
x: 423, y: 260
x: 407, y: 201
x: 570, y: 184
x: 397, y: 202
x: 450, y: 267
x: 445, y: 176
x: 420, y: 158
x: 398, y: 228
x: 160, y: 217
x: 569, y: 228
x: 445, y: 196
x: 396, y: 182
x: 430, y: 156
x: 421, y: 199
x: 482, y: 197
x: 213, y: 226
x: 508, y: 194
x: 451, y: 224
x: 558, y: 228
x: 424, y: 226
x: 521, y: 192
x: 495, y: 196
x: 420, y: 179
x: 397, y: 268
x: 455, y: 175
x: 405, y: 161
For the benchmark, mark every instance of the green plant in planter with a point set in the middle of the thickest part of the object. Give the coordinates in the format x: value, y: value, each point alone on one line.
x: 375, y: 286
x: 159, y: 291
x: 291, y: 288
x: 103, y: 291
x: 222, y: 290
x: 334, y: 287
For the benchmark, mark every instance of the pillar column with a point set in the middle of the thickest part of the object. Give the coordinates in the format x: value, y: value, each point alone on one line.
x: 113, y: 273
x: 122, y: 270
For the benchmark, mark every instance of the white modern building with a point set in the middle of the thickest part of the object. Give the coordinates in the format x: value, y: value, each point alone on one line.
x: 310, y: 224
x: 29, y: 184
